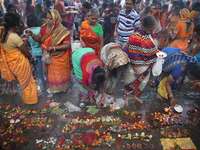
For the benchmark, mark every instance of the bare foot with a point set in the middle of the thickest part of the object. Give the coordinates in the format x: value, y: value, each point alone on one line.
x: 159, y: 97
x: 126, y: 100
x: 91, y: 99
x: 138, y: 99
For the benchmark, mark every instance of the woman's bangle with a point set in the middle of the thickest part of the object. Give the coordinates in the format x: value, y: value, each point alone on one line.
x: 96, y: 92
x: 54, y: 48
x: 171, y: 95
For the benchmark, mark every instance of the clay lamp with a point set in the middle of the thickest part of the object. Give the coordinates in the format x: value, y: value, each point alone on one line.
x: 139, y: 115
x: 167, y: 109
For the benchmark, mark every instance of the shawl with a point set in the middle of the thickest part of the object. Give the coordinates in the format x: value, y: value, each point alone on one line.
x: 140, y: 48
x: 114, y: 56
x: 58, y: 31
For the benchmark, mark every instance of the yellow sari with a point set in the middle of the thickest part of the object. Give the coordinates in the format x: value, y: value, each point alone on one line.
x: 58, y: 77
x: 15, y: 64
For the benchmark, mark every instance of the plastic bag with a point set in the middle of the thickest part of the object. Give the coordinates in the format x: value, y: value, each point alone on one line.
x: 157, y: 67
x: 76, y: 45
x: 108, y: 99
x: 118, y: 104
x: 46, y: 57
x: 71, y: 107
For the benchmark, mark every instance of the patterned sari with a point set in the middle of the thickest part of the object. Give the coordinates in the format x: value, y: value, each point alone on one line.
x: 175, y: 59
x: 78, y: 61
x: 14, y: 64
x: 182, y: 31
x: 142, y: 53
x: 113, y: 57
x: 90, y: 38
x: 58, y: 78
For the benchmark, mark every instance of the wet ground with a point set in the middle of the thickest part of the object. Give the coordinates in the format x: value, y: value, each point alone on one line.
x: 188, y: 98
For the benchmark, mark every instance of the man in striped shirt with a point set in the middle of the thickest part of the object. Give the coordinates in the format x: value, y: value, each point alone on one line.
x: 128, y: 19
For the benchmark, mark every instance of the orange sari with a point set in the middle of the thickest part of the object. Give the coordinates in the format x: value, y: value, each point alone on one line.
x: 173, y: 20
x: 58, y: 77
x: 183, y: 33
x: 15, y: 64
x: 90, y: 38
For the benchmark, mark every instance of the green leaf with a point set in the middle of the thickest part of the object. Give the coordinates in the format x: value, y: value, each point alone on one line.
x: 58, y: 111
x: 177, y: 147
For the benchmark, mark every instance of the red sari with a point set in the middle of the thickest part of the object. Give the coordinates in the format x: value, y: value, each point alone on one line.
x: 89, y: 37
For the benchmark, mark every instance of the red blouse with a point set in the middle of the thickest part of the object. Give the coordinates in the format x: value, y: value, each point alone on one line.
x: 85, y: 60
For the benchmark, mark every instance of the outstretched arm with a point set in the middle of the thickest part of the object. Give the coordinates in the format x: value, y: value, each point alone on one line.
x: 168, y: 83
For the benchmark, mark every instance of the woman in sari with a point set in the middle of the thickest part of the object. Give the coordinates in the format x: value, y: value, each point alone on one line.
x: 56, y: 38
x: 14, y: 59
x: 159, y: 29
x: 173, y: 20
x: 91, y: 33
x: 115, y: 59
x: 141, y: 51
x: 176, y: 67
x: 89, y: 73
x: 183, y: 31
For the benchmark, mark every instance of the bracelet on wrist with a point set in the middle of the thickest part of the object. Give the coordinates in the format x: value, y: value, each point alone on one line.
x: 54, y: 48
x: 171, y: 95
x: 96, y: 92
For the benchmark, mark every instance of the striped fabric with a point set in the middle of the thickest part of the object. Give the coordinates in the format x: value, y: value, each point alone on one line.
x: 140, y: 48
x: 126, y: 24
x: 175, y: 58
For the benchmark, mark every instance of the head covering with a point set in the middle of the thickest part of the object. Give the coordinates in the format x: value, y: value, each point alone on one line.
x: 185, y: 13
x: 87, y: 5
x: 57, y: 29
x: 185, y: 17
x: 114, y: 56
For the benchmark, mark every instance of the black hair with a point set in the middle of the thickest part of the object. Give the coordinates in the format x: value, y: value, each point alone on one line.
x: 147, y: 8
x: 193, y: 69
x: 175, y: 3
x: 159, y: 3
x: 10, y: 20
x: 10, y: 5
x: 177, y: 8
x: 87, y: 5
x: 28, y: 5
x: 197, y: 28
x: 32, y: 20
x: 48, y: 4
x: 148, y: 22
x: 104, y: 5
x: 112, y: 4
x: 43, y: 15
x: 98, y: 76
x: 187, y: 3
x: 165, y: 6
x: 195, y: 5
x: 133, y: 1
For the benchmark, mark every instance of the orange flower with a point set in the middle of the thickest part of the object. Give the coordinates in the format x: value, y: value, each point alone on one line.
x: 175, y: 144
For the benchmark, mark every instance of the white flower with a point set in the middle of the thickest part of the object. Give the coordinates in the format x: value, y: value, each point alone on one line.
x: 38, y: 141
x: 16, y: 121
x: 150, y: 136
x: 142, y: 134
x: 12, y: 121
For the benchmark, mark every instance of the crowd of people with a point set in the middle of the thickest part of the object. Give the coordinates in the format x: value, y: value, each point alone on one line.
x: 118, y: 42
